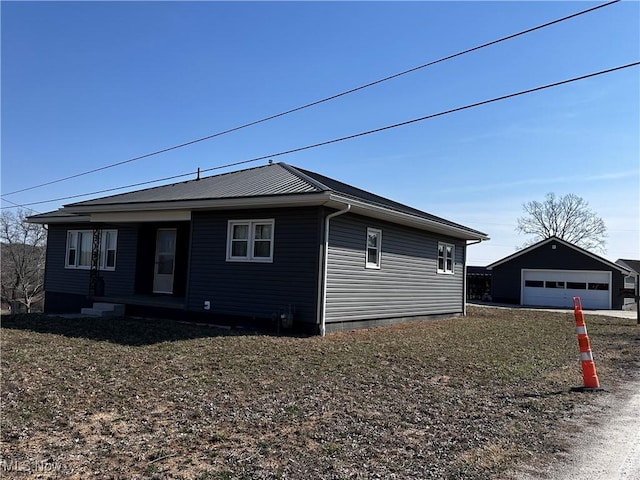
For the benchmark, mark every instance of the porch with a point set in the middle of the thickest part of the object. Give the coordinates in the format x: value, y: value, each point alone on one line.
x: 147, y: 304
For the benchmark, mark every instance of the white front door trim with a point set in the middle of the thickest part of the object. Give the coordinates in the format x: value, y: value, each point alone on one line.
x: 165, y: 260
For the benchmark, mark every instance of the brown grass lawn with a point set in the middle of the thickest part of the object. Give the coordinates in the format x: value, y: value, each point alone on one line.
x: 471, y: 397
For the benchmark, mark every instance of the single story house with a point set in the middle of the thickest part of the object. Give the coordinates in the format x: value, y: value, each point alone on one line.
x: 553, y: 271
x: 265, y: 243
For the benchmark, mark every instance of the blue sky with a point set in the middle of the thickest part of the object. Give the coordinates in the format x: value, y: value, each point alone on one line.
x: 89, y: 84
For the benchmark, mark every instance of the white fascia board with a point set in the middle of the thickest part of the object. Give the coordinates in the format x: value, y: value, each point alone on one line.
x: 294, y: 200
x: 407, y: 219
x: 520, y: 252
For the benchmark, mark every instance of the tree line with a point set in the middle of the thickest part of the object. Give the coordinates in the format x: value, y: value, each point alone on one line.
x: 22, y: 253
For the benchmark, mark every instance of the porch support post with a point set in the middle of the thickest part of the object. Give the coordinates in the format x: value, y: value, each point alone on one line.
x: 95, y: 263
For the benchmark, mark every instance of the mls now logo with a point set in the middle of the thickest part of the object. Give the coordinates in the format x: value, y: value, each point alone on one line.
x: 26, y: 466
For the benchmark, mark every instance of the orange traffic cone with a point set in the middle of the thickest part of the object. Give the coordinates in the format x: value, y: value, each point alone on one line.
x: 589, y: 374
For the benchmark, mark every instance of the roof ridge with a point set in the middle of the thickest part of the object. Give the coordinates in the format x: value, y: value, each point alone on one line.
x: 358, y: 193
x: 303, y: 176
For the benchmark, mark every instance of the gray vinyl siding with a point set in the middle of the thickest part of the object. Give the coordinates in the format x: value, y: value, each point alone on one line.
x: 59, y: 279
x: 251, y: 289
x: 407, y: 283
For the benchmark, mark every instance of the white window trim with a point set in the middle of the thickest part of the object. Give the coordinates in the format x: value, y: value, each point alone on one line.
x: 630, y: 281
x: 444, y: 246
x: 250, y: 241
x: 103, y: 250
x: 367, y: 264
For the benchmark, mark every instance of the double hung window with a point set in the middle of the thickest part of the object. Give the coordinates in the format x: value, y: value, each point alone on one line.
x: 445, y: 258
x: 250, y: 240
x: 374, y: 243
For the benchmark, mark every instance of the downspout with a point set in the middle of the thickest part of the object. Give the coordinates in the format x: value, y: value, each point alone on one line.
x: 464, y: 279
x: 325, y: 268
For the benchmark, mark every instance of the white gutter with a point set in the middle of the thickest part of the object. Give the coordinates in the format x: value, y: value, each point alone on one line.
x: 408, y: 219
x: 325, y: 268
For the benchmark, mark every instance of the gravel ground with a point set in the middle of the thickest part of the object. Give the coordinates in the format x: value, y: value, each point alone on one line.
x: 605, y: 446
x: 630, y: 314
x: 470, y: 398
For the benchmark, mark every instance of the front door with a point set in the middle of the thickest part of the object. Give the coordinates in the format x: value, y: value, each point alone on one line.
x: 165, y: 260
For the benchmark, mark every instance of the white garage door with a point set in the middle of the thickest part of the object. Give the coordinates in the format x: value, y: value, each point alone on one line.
x: 556, y: 288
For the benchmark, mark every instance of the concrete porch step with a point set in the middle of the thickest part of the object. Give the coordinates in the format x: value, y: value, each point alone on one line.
x: 101, y: 309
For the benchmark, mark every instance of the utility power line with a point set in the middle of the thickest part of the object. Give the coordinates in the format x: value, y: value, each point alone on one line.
x: 314, y: 103
x: 17, y: 205
x: 350, y: 137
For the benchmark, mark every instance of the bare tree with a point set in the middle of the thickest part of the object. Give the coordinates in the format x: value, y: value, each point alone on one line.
x: 23, y: 253
x: 567, y: 217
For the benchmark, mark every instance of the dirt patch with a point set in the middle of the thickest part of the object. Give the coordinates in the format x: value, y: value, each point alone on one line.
x: 474, y: 397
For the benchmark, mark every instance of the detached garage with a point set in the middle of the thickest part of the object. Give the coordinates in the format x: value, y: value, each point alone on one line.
x: 551, y: 272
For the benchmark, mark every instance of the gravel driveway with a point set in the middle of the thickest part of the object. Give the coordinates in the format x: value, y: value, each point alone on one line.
x: 605, y: 447
x: 629, y: 314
